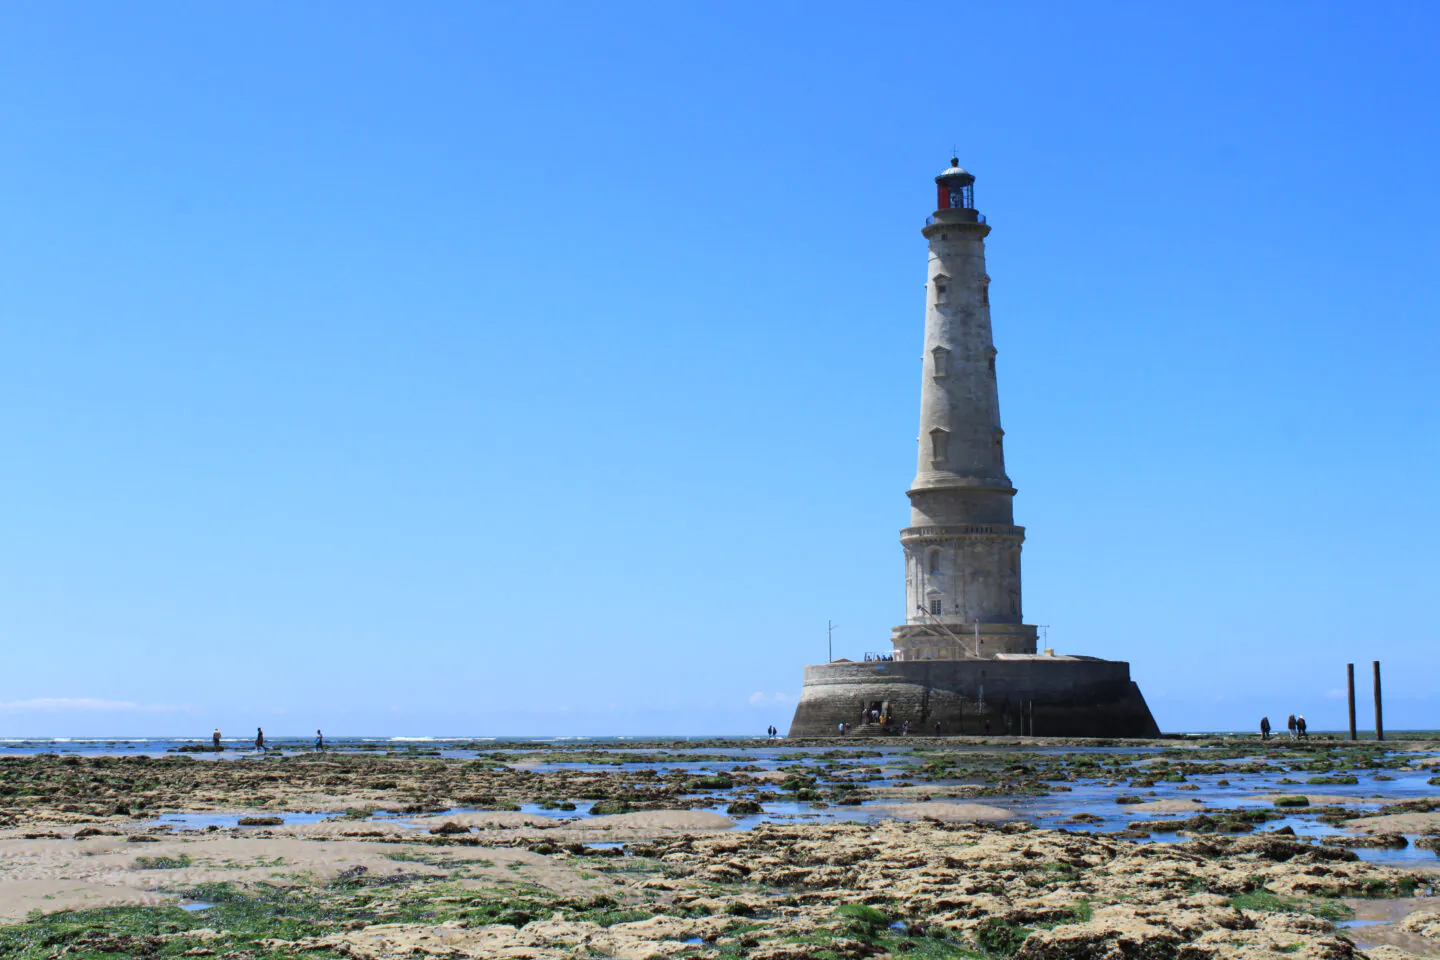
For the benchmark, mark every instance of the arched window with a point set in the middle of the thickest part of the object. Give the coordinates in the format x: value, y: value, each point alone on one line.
x: 939, y: 444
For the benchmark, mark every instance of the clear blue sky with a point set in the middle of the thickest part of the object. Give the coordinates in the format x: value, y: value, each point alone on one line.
x: 478, y: 369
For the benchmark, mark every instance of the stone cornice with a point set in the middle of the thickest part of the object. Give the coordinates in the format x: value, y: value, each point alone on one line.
x: 978, y: 230
x: 967, y: 484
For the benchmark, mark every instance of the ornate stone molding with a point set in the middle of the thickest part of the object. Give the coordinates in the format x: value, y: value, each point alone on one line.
x: 967, y: 531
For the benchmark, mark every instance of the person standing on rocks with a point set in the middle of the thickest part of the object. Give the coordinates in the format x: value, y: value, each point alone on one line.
x: 215, y: 739
x: 259, y: 740
x: 937, y: 728
x: 319, y: 741
x: 1290, y: 725
x: 1300, y: 728
x: 1264, y: 728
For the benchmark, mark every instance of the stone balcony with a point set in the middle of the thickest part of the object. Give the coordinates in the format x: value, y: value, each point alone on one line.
x: 964, y: 531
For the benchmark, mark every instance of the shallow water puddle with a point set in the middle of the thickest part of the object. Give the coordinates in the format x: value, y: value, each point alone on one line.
x: 225, y: 821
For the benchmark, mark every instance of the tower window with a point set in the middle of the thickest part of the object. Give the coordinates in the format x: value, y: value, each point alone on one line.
x: 940, y: 358
x: 935, y: 608
x: 939, y: 445
x: 934, y: 561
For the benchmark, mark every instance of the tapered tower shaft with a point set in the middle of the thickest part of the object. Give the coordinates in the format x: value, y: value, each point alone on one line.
x: 962, y: 549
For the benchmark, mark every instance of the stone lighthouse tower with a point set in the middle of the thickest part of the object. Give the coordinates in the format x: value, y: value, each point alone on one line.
x: 962, y: 548
x: 964, y: 662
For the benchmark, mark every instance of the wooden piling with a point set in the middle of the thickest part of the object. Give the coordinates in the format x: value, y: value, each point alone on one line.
x: 1350, y: 684
x: 1379, y: 713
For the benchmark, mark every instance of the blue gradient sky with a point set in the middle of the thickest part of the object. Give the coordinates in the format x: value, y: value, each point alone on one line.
x: 458, y: 368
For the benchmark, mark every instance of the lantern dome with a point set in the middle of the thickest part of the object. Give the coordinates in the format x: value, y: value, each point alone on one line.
x: 956, y: 173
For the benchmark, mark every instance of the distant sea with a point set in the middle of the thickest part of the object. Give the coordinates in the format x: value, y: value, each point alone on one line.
x: 239, y: 746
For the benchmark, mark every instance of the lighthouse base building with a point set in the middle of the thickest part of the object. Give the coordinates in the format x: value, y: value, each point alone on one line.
x: 965, y: 662
x: 1041, y: 695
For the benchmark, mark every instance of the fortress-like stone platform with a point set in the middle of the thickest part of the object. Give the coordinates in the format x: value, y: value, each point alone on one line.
x: 1029, y: 694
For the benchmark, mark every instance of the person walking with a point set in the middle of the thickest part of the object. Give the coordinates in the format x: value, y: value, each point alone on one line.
x: 1290, y: 725
x: 1300, y: 728
x: 259, y: 740
x: 937, y: 728
x: 319, y: 741
x: 1264, y: 728
x: 215, y: 739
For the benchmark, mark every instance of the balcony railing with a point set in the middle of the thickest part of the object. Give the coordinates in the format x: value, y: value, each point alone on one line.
x: 956, y: 531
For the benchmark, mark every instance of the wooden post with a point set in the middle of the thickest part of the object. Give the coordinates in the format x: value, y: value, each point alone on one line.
x: 1350, y: 684
x: 1379, y: 714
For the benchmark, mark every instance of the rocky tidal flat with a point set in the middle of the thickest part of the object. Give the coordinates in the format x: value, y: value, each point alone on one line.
x: 989, y: 848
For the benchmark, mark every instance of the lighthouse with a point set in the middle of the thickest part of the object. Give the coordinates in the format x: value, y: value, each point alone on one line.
x: 962, y: 548
x: 964, y: 661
